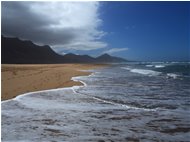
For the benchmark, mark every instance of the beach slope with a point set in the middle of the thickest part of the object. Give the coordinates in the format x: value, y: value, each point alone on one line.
x: 19, y: 79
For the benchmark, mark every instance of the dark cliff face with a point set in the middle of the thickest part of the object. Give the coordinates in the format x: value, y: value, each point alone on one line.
x: 16, y: 51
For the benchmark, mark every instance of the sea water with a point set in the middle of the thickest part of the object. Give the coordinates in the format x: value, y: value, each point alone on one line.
x: 137, y: 101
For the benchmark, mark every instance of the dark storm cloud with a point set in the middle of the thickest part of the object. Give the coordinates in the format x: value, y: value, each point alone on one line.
x: 53, y: 23
x: 18, y: 20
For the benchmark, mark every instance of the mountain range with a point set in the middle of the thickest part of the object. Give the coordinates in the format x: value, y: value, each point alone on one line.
x: 16, y: 51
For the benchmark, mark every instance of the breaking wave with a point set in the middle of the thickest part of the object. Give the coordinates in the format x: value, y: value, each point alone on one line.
x: 143, y: 71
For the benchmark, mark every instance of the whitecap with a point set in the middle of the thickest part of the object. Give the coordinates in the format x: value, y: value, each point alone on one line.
x: 146, y: 72
x: 172, y: 75
x: 149, y: 65
x: 143, y: 71
x: 159, y: 66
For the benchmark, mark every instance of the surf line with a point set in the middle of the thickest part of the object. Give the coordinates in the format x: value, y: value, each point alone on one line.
x: 102, y: 100
x: 17, y: 98
x: 73, y: 89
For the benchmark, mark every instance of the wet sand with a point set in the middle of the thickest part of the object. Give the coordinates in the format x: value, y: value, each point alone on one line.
x: 19, y: 79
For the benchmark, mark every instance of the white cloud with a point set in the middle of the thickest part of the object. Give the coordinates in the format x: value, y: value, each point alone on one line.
x: 84, y: 45
x: 115, y: 50
x: 73, y: 25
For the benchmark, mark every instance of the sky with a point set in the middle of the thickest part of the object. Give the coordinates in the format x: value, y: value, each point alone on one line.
x: 140, y: 31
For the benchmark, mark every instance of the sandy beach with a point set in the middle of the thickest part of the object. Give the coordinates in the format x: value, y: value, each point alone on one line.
x: 19, y: 79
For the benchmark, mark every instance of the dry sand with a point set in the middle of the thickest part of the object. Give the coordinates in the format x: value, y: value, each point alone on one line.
x: 19, y: 79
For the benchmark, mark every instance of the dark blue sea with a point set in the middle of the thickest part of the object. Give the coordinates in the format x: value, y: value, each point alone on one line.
x: 129, y: 102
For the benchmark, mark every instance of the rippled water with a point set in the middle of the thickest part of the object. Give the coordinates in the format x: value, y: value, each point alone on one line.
x: 126, y: 102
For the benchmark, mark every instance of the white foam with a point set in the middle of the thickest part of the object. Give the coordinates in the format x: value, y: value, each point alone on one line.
x: 40, y: 103
x: 156, y: 66
x: 146, y: 72
x: 30, y: 93
x: 149, y: 65
x: 172, y: 75
x: 159, y: 66
x: 77, y: 80
x: 43, y: 91
x: 123, y: 105
x: 143, y: 71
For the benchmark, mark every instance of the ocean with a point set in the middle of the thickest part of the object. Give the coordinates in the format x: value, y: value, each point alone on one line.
x: 135, y: 101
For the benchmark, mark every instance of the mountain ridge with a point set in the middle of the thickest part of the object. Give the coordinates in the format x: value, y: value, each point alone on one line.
x: 16, y: 51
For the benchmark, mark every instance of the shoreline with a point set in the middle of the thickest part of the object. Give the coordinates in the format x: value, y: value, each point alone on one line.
x: 83, y: 84
x: 57, y: 77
